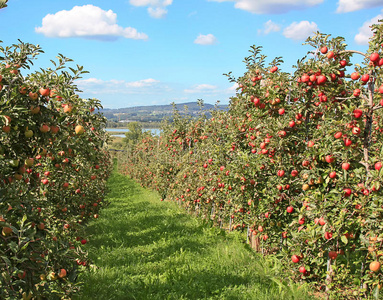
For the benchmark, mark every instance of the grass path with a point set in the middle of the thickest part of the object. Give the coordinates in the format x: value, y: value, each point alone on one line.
x: 146, y: 249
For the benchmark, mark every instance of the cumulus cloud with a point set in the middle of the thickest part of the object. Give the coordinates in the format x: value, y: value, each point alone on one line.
x: 113, y: 86
x: 365, y: 33
x: 156, y: 8
x: 271, y: 6
x: 300, y: 31
x: 345, y: 6
x: 86, y: 21
x: 269, y: 27
x: 207, y: 39
x: 202, y: 88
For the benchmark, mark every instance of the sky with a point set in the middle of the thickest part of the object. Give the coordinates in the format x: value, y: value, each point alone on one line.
x: 154, y: 52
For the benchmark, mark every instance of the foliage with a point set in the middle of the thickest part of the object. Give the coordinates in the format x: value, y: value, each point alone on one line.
x: 296, y: 160
x: 53, y: 168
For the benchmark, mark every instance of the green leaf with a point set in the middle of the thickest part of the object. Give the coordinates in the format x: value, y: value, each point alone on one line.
x: 344, y: 239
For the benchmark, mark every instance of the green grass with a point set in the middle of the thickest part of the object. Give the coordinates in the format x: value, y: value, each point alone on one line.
x: 146, y: 249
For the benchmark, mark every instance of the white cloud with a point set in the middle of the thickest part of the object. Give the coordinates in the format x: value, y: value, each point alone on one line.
x: 232, y: 89
x: 345, y: 6
x: 269, y: 27
x: 86, y: 21
x: 271, y: 6
x: 207, y: 39
x: 113, y: 86
x: 156, y: 8
x: 202, y: 88
x: 365, y: 33
x: 300, y: 31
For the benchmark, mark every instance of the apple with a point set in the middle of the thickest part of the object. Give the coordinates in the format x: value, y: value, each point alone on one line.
x: 378, y: 165
x: 44, y: 128
x: 273, y: 69
x: 330, y: 54
x: 323, y: 50
x: 328, y: 235
x: 365, y: 78
x: 79, y: 129
x: 343, y: 63
x: 295, y: 259
x: 357, y: 113
x: 321, y: 80
x: 356, y: 130
x: 346, y: 166
x: 33, y: 96
x: 329, y: 159
x: 28, y: 133
x: 356, y: 93
x: 332, y: 255
x: 374, y: 57
x: 338, y: 135
x: 347, y: 192
x: 290, y: 209
x: 332, y: 174
x: 375, y: 266
x: 355, y: 76
x: 44, y: 92
x: 302, y: 270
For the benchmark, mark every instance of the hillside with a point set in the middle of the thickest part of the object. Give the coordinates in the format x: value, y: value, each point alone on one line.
x: 154, y: 113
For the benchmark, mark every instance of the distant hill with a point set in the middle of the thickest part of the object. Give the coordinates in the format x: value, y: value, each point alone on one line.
x: 154, y: 113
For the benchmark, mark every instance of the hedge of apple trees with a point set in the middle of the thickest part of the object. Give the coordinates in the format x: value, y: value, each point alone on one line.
x: 296, y: 159
x: 53, y: 168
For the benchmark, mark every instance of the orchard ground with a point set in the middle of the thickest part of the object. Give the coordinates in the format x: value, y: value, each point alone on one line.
x: 143, y: 248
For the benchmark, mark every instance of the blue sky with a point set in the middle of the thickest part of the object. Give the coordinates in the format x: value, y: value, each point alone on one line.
x: 149, y: 52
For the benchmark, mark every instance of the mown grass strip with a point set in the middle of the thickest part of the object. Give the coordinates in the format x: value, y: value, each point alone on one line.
x: 146, y: 249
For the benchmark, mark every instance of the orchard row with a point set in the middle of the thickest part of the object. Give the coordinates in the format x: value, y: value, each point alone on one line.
x: 296, y: 160
x: 53, y: 168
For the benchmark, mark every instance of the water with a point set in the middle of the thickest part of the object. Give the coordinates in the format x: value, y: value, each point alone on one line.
x: 155, y: 131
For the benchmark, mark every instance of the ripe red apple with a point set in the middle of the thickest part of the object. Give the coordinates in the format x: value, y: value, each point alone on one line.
x: 302, y: 270
x: 356, y: 130
x: 332, y: 174
x: 294, y: 173
x: 329, y: 158
x: 347, y: 192
x: 347, y: 142
x: 343, y: 63
x: 281, y: 111
x: 357, y: 113
x: 290, y: 209
x: 321, y: 79
x: 273, y: 69
x: 323, y: 50
x: 295, y: 259
x: 338, y: 135
x: 356, y: 93
x: 365, y: 78
x: 328, y: 235
x: 355, y: 76
x: 346, y: 166
x: 378, y: 165
x: 374, y: 57
x: 330, y: 54
x: 332, y: 255
x: 281, y: 173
